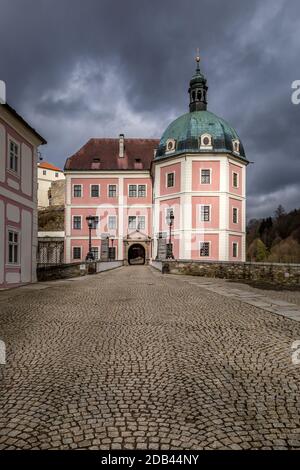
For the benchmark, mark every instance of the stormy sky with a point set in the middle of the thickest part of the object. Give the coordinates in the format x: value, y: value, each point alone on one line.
x: 77, y: 69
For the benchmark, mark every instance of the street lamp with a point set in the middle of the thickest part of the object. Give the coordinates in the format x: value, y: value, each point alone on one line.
x: 90, y: 221
x: 170, y: 221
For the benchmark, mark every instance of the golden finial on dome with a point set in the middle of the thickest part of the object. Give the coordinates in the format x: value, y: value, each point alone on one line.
x: 198, y: 55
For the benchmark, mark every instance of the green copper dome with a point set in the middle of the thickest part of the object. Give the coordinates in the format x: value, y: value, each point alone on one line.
x: 186, y: 131
x: 199, y: 131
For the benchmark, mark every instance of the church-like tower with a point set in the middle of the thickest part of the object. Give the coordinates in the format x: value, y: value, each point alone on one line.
x: 199, y: 174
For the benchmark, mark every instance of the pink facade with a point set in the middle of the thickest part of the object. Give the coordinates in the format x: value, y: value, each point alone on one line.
x: 212, y: 239
x: 18, y: 199
x: 197, y: 174
x: 235, y: 253
x: 121, y: 200
x: 198, y: 204
x: 236, y: 184
x: 205, y: 195
x: 164, y: 172
x: 235, y: 214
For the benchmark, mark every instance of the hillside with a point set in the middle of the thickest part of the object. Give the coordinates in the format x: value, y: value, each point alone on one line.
x: 51, y: 219
x: 275, y: 239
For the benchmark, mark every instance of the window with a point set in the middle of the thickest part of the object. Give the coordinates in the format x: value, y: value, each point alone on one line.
x: 170, y: 180
x: 13, y: 156
x: 132, y: 190
x: 205, y: 176
x: 132, y: 222
x: 95, y: 190
x: 13, y: 247
x: 235, y: 180
x: 235, y: 215
x: 112, y: 222
x: 170, y: 145
x: 95, y: 252
x: 77, y: 222
x: 234, y: 250
x: 204, y: 249
x: 236, y: 146
x: 44, y: 172
x: 141, y: 222
x: 95, y: 222
x: 76, y: 252
x: 142, y: 190
x: 205, y: 213
x: 77, y: 190
x: 137, y: 222
x: 112, y: 190
x: 56, y: 175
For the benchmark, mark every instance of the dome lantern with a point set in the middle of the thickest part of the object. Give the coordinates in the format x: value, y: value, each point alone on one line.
x: 198, y: 89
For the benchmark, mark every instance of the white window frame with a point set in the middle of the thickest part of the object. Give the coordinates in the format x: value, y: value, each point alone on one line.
x: 18, y: 232
x: 73, y: 187
x: 73, y: 228
x: 132, y: 228
x: 237, y: 215
x: 174, y: 179
x: 237, y: 249
x: 91, y: 185
x: 113, y: 184
x: 138, y: 222
x: 209, y: 249
x: 12, y: 170
x: 109, y: 217
x: 200, y: 213
x: 142, y: 184
x: 136, y: 190
x: 80, y: 248
x: 237, y: 179
x: 210, y: 176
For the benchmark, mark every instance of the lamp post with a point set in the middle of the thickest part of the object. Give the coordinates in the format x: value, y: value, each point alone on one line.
x: 170, y: 221
x: 90, y: 221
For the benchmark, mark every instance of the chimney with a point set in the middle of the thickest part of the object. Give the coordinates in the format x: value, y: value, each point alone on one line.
x: 121, y: 145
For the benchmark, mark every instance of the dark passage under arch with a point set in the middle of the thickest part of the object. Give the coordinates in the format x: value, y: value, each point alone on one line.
x: 136, y: 254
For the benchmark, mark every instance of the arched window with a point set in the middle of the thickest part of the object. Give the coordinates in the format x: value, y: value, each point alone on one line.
x: 236, y: 145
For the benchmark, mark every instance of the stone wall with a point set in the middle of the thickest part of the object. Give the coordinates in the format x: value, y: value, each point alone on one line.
x: 67, y: 271
x: 56, y: 193
x: 276, y: 273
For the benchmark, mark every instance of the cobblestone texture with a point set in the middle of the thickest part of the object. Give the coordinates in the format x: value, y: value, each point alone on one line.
x: 134, y: 359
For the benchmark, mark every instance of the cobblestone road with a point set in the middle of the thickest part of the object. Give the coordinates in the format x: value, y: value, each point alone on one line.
x: 134, y: 359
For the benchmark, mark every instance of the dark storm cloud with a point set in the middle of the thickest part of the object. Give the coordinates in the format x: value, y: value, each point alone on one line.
x: 83, y: 68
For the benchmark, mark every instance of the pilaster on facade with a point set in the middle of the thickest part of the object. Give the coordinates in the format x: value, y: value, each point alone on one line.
x: 121, y: 218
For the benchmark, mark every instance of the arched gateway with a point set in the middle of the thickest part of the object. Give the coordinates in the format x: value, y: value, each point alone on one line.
x: 136, y: 254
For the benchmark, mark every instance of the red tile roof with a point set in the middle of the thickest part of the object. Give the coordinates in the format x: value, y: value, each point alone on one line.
x: 49, y: 166
x: 103, y: 154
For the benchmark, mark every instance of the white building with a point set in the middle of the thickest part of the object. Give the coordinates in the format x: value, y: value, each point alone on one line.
x: 47, y: 173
